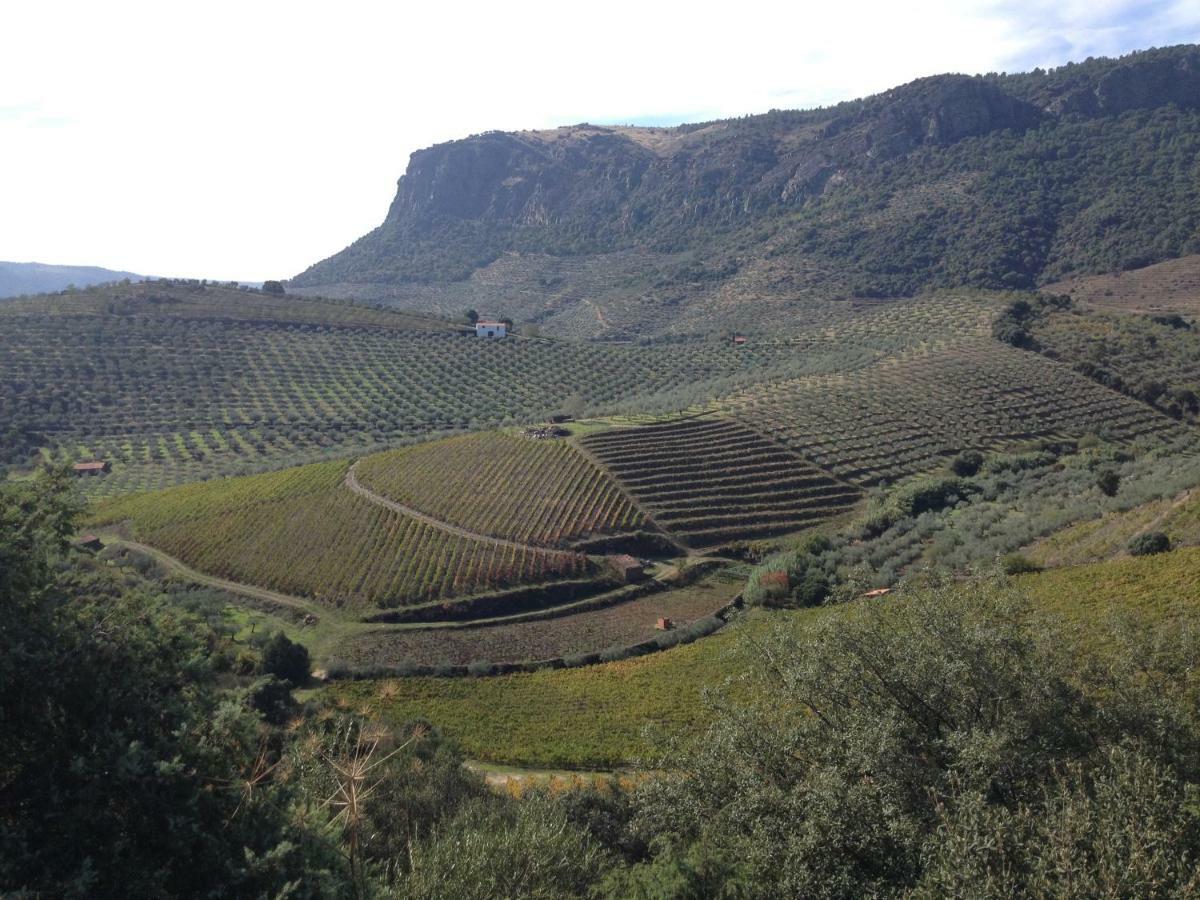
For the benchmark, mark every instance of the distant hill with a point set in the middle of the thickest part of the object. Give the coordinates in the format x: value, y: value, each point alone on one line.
x: 998, y: 181
x: 38, y: 278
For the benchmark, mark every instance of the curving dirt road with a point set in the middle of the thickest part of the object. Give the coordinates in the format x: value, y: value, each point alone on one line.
x: 234, y: 587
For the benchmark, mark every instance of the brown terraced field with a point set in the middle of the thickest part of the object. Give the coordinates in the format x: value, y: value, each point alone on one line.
x: 710, y: 481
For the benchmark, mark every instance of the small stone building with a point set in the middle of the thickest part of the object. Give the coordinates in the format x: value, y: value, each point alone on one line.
x: 92, y: 467
x: 628, y: 569
x: 490, y: 328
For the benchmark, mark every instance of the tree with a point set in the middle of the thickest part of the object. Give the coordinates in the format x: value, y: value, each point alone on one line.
x: 1109, y: 482
x: 472, y: 317
x: 123, y: 770
x: 967, y: 463
x: 273, y: 287
x: 286, y: 659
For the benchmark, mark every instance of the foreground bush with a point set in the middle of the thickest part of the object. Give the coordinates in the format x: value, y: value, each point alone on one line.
x: 933, y: 744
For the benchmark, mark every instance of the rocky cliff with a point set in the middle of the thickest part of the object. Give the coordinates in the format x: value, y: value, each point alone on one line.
x: 989, y: 180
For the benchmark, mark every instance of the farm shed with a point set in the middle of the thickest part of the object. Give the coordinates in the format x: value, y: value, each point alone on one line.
x: 627, y: 568
x: 490, y: 328
x: 90, y: 542
x: 664, y: 623
x: 739, y: 339
x: 92, y: 467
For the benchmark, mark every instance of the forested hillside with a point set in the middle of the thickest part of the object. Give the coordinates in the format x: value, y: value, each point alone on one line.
x: 1002, y: 181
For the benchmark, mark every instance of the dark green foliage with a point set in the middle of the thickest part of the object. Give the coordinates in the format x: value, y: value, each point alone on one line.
x: 272, y: 699
x: 1149, y: 543
x: 122, y: 768
x: 1109, y: 482
x: 1017, y: 564
x: 273, y: 287
x: 934, y: 744
x: 967, y: 463
x: 795, y: 578
x: 286, y: 659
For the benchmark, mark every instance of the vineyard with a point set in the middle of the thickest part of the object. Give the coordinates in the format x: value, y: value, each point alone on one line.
x: 542, y: 492
x: 909, y: 413
x: 1167, y: 287
x: 184, y: 384
x: 303, y: 532
x: 711, y: 481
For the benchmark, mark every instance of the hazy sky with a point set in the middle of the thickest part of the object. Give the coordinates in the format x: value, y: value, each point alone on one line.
x: 248, y: 140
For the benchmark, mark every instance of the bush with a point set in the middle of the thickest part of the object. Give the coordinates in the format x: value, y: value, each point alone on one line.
x: 967, y: 463
x: 1108, y: 481
x: 1149, y: 543
x: 286, y: 659
x: 1018, y: 564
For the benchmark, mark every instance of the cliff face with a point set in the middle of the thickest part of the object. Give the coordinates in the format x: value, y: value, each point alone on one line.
x: 588, y: 190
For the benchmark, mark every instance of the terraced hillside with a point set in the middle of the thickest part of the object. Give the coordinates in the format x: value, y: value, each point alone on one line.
x: 541, y: 492
x: 910, y: 412
x: 303, y: 532
x: 709, y: 481
x: 1167, y: 287
x: 175, y: 383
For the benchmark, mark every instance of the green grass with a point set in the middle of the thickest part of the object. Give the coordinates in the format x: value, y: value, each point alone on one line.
x: 593, y: 717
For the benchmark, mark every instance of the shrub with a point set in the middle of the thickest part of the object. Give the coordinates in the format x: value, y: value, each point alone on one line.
x: 1018, y: 564
x: 967, y: 463
x: 1149, y: 543
x: 1109, y: 482
x: 285, y: 659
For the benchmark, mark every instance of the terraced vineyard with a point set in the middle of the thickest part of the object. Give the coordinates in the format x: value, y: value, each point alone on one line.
x: 178, y: 384
x: 302, y: 532
x: 541, y: 492
x: 710, y: 481
x: 908, y: 413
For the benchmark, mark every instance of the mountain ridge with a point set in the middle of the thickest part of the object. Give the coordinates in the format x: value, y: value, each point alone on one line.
x: 19, y: 278
x: 996, y: 181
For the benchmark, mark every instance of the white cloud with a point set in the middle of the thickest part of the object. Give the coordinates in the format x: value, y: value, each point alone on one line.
x: 250, y: 139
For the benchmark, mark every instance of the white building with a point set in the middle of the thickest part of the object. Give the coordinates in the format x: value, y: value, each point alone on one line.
x: 488, y: 328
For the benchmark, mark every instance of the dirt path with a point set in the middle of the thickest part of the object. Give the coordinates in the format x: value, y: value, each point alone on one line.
x: 255, y: 593
x: 355, y: 485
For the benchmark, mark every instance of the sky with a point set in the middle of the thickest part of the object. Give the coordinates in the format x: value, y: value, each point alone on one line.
x: 247, y: 140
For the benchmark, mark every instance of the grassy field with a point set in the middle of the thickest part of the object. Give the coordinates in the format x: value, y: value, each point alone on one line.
x: 597, y: 716
x: 301, y: 531
x: 534, y: 491
x: 710, y: 480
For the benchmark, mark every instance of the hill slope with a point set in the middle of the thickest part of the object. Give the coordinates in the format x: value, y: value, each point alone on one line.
x: 996, y: 181
x: 39, y: 278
